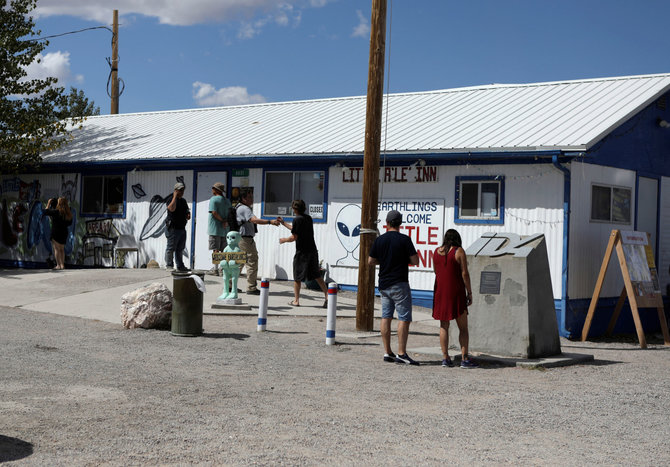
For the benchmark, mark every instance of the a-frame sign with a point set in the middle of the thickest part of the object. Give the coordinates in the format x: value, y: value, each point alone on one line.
x: 640, y: 282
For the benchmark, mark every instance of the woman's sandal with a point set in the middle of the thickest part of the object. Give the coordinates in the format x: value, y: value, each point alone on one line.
x: 293, y: 303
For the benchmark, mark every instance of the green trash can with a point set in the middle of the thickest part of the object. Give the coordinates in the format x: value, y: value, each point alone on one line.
x: 186, y: 304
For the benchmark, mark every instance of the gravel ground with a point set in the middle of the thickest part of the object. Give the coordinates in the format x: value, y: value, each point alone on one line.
x: 84, y: 392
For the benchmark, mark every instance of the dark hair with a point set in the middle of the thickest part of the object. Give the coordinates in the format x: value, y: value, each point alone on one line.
x: 245, y: 191
x: 395, y: 223
x: 452, y: 238
x: 298, y: 205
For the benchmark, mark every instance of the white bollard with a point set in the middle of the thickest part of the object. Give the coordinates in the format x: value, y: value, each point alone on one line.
x: 263, y: 305
x: 332, y: 312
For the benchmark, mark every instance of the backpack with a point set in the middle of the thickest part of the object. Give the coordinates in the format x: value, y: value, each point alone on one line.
x: 233, y: 225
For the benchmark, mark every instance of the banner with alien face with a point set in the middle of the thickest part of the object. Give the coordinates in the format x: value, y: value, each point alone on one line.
x: 423, y: 222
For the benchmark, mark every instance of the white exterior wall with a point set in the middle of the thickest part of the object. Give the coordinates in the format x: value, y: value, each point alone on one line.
x: 588, y: 240
x: 664, y: 236
x: 533, y: 204
x: 146, y: 211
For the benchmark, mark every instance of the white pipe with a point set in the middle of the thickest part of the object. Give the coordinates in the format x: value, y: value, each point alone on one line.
x: 263, y: 305
x: 332, y: 312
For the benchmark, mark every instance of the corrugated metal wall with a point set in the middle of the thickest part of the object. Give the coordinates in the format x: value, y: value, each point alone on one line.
x: 588, y: 239
x: 146, y: 191
x: 533, y: 200
x: 664, y: 235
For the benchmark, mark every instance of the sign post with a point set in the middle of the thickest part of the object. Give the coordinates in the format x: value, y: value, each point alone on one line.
x: 640, y: 278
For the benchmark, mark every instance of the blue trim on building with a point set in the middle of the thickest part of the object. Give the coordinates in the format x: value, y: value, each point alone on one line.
x: 563, y: 304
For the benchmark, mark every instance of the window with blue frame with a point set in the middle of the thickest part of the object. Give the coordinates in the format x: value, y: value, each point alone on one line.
x: 479, y: 200
x: 102, y: 195
x: 282, y: 187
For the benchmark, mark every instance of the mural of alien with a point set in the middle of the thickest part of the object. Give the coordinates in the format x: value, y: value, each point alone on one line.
x: 348, y: 229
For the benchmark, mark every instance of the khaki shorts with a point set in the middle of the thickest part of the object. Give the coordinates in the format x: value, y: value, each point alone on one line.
x: 217, y: 243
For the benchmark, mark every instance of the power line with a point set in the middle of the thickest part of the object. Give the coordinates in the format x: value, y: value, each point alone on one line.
x: 72, y: 32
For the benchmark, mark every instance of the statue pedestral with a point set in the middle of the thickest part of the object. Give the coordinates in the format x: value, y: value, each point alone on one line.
x: 230, y: 262
x: 513, y: 312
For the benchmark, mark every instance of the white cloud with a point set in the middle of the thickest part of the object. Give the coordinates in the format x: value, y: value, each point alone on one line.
x: 206, y: 95
x: 181, y: 12
x: 53, y: 64
x: 362, y: 29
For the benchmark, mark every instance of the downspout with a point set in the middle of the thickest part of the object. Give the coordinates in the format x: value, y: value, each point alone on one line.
x: 566, y: 235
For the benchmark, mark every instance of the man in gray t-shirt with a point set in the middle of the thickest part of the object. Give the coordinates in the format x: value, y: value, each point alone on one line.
x: 248, y: 221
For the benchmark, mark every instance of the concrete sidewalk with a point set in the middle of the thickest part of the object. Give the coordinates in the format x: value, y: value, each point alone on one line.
x: 96, y: 294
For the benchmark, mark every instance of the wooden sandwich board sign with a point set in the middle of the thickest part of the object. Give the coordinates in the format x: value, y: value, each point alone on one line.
x: 640, y: 278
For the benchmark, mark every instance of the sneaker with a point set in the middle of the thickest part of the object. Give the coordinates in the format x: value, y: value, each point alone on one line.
x: 389, y: 357
x: 468, y: 363
x: 448, y: 362
x: 253, y: 292
x: 405, y: 359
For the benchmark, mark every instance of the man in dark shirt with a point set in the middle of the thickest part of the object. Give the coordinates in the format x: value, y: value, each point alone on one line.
x: 306, y: 260
x: 393, y: 252
x: 177, y: 216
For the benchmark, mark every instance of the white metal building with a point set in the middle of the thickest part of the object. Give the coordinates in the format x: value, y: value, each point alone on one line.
x: 522, y: 158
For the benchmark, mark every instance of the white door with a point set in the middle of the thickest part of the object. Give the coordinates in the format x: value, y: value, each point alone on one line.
x: 647, y: 207
x: 202, y: 255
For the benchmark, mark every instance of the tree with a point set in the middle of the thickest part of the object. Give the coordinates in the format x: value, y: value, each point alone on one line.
x: 31, y: 110
x: 78, y: 105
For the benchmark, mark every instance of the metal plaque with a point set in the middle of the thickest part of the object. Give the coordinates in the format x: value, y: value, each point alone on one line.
x: 489, y: 283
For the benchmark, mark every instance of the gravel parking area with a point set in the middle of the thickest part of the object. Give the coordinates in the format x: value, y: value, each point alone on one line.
x: 84, y: 392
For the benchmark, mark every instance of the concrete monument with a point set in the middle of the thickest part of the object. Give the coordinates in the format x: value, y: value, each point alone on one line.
x: 513, y: 312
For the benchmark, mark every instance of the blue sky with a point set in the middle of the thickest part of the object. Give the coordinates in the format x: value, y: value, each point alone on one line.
x: 178, y: 54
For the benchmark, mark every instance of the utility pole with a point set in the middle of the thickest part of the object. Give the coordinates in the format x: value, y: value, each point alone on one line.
x: 365, y: 302
x: 115, y: 64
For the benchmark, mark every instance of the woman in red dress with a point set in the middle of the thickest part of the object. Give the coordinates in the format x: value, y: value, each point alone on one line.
x: 452, y: 294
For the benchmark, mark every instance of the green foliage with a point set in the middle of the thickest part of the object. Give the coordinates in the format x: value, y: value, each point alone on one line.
x: 32, y: 111
x: 78, y: 105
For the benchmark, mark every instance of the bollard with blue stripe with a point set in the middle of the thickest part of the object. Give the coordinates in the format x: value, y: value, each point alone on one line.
x: 263, y: 305
x: 332, y: 312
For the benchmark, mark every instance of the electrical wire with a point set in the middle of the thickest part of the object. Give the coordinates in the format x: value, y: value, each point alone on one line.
x: 386, y: 110
x: 72, y: 32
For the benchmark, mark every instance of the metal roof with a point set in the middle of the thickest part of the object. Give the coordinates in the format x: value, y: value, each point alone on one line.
x: 561, y: 115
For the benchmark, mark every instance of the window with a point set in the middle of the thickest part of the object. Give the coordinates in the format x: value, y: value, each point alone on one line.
x: 102, y: 195
x: 611, y: 204
x: 479, y: 200
x: 281, y: 188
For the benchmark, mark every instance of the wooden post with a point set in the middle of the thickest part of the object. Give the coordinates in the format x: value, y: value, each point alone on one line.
x: 614, y: 237
x: 115, y: 64
x: 373, y: 127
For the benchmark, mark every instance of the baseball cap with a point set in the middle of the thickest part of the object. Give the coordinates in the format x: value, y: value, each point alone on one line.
x: 393, y: 216
x: 220, y: 187
x: 179, y: 186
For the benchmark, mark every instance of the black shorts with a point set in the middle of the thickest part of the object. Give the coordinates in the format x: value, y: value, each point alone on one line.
x: 306, y: 266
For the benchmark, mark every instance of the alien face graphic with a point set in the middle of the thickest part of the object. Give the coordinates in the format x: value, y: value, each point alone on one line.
x: 348, y: 223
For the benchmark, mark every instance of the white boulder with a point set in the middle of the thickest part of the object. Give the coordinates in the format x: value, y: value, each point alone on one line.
x: 148, y: 307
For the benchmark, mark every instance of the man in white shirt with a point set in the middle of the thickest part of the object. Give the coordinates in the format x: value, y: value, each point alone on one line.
x: 248, y: 222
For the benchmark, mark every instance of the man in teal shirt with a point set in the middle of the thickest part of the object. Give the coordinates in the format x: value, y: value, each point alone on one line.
x: 217, y: 226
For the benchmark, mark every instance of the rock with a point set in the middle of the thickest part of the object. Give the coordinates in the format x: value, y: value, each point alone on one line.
x: 153, y: 264
x: 148, y: 307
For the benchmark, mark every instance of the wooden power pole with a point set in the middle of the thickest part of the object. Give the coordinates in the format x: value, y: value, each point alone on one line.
x: 115, y: 64
x: 365, y: 303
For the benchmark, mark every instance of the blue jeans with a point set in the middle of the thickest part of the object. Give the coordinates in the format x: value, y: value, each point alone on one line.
x: 397, y: 297
x: 176, y: 242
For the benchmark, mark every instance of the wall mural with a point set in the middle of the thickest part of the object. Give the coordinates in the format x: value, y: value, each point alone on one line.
x: 25, y: 232
x: 154, y: 226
